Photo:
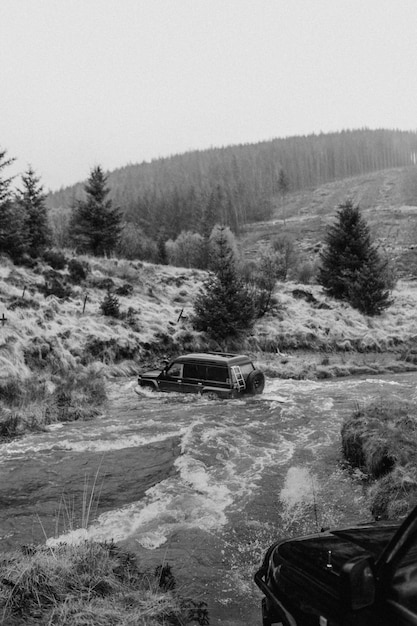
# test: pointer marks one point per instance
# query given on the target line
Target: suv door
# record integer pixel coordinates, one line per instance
(194, 376)
(170, 379)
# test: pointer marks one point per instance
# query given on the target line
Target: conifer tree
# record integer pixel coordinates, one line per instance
(31, 199)
(224, 306)
(95, 223)
(162, 257)
(221, 237)
(5, 192)
(351, 268)
(283, 188)
(13, 231)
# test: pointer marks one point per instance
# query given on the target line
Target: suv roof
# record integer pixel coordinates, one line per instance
(221, 358)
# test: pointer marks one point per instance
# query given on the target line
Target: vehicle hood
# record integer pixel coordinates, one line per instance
(311, 554)
(149, 375)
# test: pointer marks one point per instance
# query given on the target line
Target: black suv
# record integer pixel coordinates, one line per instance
(361, 576)
(226, 375)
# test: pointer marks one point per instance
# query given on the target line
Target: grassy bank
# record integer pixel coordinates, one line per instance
(380, 441)
(93, 584)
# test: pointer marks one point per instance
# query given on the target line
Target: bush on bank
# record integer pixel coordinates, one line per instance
(31, 404)
(93, 584)
(380, 439)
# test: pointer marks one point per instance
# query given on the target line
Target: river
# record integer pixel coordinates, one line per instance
(203, 484)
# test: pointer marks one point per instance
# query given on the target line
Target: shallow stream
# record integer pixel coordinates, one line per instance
(205, 485)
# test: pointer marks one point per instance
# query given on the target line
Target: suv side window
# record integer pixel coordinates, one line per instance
(246, 368)
(175, 370)
(195, 370)
(217, 373)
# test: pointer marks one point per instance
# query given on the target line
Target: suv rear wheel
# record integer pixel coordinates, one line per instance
(255, 382)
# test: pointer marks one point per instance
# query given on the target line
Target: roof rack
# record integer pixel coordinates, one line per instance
(225, 354)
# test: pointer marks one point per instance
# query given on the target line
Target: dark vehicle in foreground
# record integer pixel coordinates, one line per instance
(360, 576)
(220, 373)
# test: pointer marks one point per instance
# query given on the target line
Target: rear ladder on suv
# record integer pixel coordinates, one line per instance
(237, 373)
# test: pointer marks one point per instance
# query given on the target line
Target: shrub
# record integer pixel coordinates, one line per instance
(12, 391)
(109, 350)
(17, 392)
(124, 290)
(56, 285)
(186, 250)
(286, 256)
(9, 426)
(77, 270)
(55, 259)
(22, 303)
(134, 244)
(307, 272)
(110, 305)
(103, 283)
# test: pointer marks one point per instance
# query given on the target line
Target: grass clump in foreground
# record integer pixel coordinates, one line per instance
(92, 584)
(380, 439)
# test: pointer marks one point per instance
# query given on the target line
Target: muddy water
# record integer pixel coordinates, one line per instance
(206, 485)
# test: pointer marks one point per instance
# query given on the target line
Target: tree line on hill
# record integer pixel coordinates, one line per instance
(350, 270)
(239, 184)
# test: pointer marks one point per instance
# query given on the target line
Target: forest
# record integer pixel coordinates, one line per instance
(236, 185)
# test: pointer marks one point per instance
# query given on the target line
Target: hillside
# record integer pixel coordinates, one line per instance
(388, 201)
(241, 184)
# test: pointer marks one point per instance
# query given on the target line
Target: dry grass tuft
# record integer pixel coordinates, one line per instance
(381, 439)
(93, 584)
(381, 435)
(31, 404)
(395, 495)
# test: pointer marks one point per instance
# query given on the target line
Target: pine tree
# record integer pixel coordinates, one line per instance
(110, 305)
(224, 307)
(162, 257)
(5, 192)
(13, 231)
(31, 199)
(351, 268)
(283, 188)
(221, 237)
(95, 224)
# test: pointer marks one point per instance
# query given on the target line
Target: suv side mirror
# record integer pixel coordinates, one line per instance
(357, 583)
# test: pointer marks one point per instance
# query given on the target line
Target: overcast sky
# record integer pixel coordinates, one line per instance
(112, 82)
